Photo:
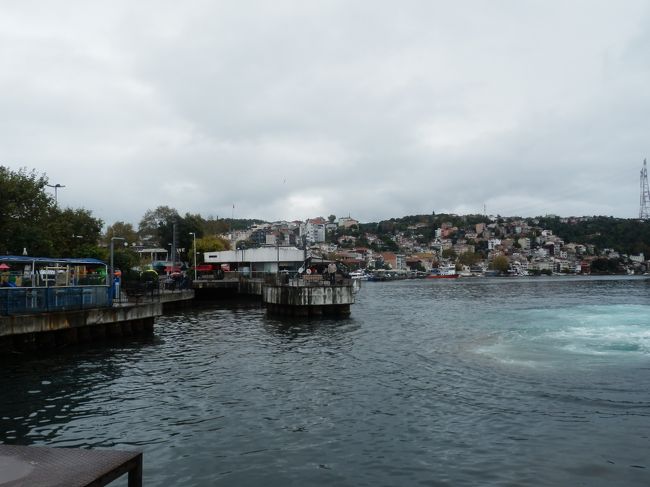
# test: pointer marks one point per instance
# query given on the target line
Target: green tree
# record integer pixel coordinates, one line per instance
(606, 266)
(74, 233)
(449, 253)
(500, 263)
(128, 261)
(469, 258)
(157, 225)
(30, 220)
(25, 209)
(209, 243)
(214, 226)
(185, 226)
(121, 229)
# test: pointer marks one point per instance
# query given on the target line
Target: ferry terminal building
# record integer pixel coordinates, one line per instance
(261, 259)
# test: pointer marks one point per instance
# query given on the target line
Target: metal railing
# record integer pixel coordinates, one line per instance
(308, 280)
(231, 275)
(29, 300)
(145, 291)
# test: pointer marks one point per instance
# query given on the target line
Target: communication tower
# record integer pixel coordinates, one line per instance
(644, 206)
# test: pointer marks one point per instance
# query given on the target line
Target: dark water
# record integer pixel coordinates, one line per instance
(466, 382)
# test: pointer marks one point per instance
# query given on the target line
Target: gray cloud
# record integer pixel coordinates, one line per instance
(293, 109)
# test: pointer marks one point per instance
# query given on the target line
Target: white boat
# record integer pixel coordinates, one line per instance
(444, 271)
(359, 275)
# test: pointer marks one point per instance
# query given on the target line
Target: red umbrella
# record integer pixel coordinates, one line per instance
(4, 266)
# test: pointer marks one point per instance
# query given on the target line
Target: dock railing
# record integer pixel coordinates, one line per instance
(151, 290)
(306, 280)
(29, 300)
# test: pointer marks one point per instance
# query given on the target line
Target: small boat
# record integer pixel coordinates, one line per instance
(359, 275)
(443, 271)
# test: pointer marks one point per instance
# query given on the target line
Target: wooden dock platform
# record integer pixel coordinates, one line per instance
(36, 466)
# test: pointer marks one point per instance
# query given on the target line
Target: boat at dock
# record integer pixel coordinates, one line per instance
(359, 275)
(444, 271)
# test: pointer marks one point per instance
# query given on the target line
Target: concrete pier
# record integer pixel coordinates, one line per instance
(215, 288)
(177, 299)
(31, 332)
(304, 298)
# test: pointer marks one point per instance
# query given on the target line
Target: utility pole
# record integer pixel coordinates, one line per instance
(194, 237)
(56, 195)
(644, 200)
(174, 240)
(111, 278)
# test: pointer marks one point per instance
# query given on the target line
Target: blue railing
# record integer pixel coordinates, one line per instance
(27, 300)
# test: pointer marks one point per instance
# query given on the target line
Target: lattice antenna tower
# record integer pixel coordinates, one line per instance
(644, 206)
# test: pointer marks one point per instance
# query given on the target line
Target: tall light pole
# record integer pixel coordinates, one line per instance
(194, 235)
(56, 195)
(112, 274)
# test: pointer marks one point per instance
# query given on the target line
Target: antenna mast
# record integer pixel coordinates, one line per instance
(644, 204)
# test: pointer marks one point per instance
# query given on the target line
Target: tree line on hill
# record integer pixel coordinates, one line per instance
(629, 236)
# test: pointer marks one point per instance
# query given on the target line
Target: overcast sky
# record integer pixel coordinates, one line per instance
(295, 109)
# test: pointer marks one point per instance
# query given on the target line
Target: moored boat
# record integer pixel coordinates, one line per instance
(443, 271)
(359, 275)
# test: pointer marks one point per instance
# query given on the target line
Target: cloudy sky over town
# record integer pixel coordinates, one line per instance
(295, 109)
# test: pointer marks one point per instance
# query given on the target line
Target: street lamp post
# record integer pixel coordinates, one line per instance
(112, 273)
(56, 187)
(194, 236)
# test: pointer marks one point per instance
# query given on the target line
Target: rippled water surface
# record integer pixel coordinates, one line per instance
(432, 382)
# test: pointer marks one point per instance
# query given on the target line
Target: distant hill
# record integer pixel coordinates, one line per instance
(629, 236)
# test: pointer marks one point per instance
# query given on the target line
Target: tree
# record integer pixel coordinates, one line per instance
(30, 220)
(121, 229)
(332, 218)
(419, 266)
(606, 266)
(126, 259)
(209, 243)
(449, 253)
(500, 263)
(212, 226)
(74, 233)
(157, 225)
(24, 212)
(185, 226)
(386, 243)
(469, 258)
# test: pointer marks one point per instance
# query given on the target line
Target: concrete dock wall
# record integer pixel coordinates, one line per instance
(308, 300)
(177, 299)
(308, 295)
(251, 287)
(227, 288)
(51, 330)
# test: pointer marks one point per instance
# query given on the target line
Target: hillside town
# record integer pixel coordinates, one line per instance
(495, 246)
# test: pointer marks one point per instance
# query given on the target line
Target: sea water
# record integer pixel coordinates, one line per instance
(536, 381)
